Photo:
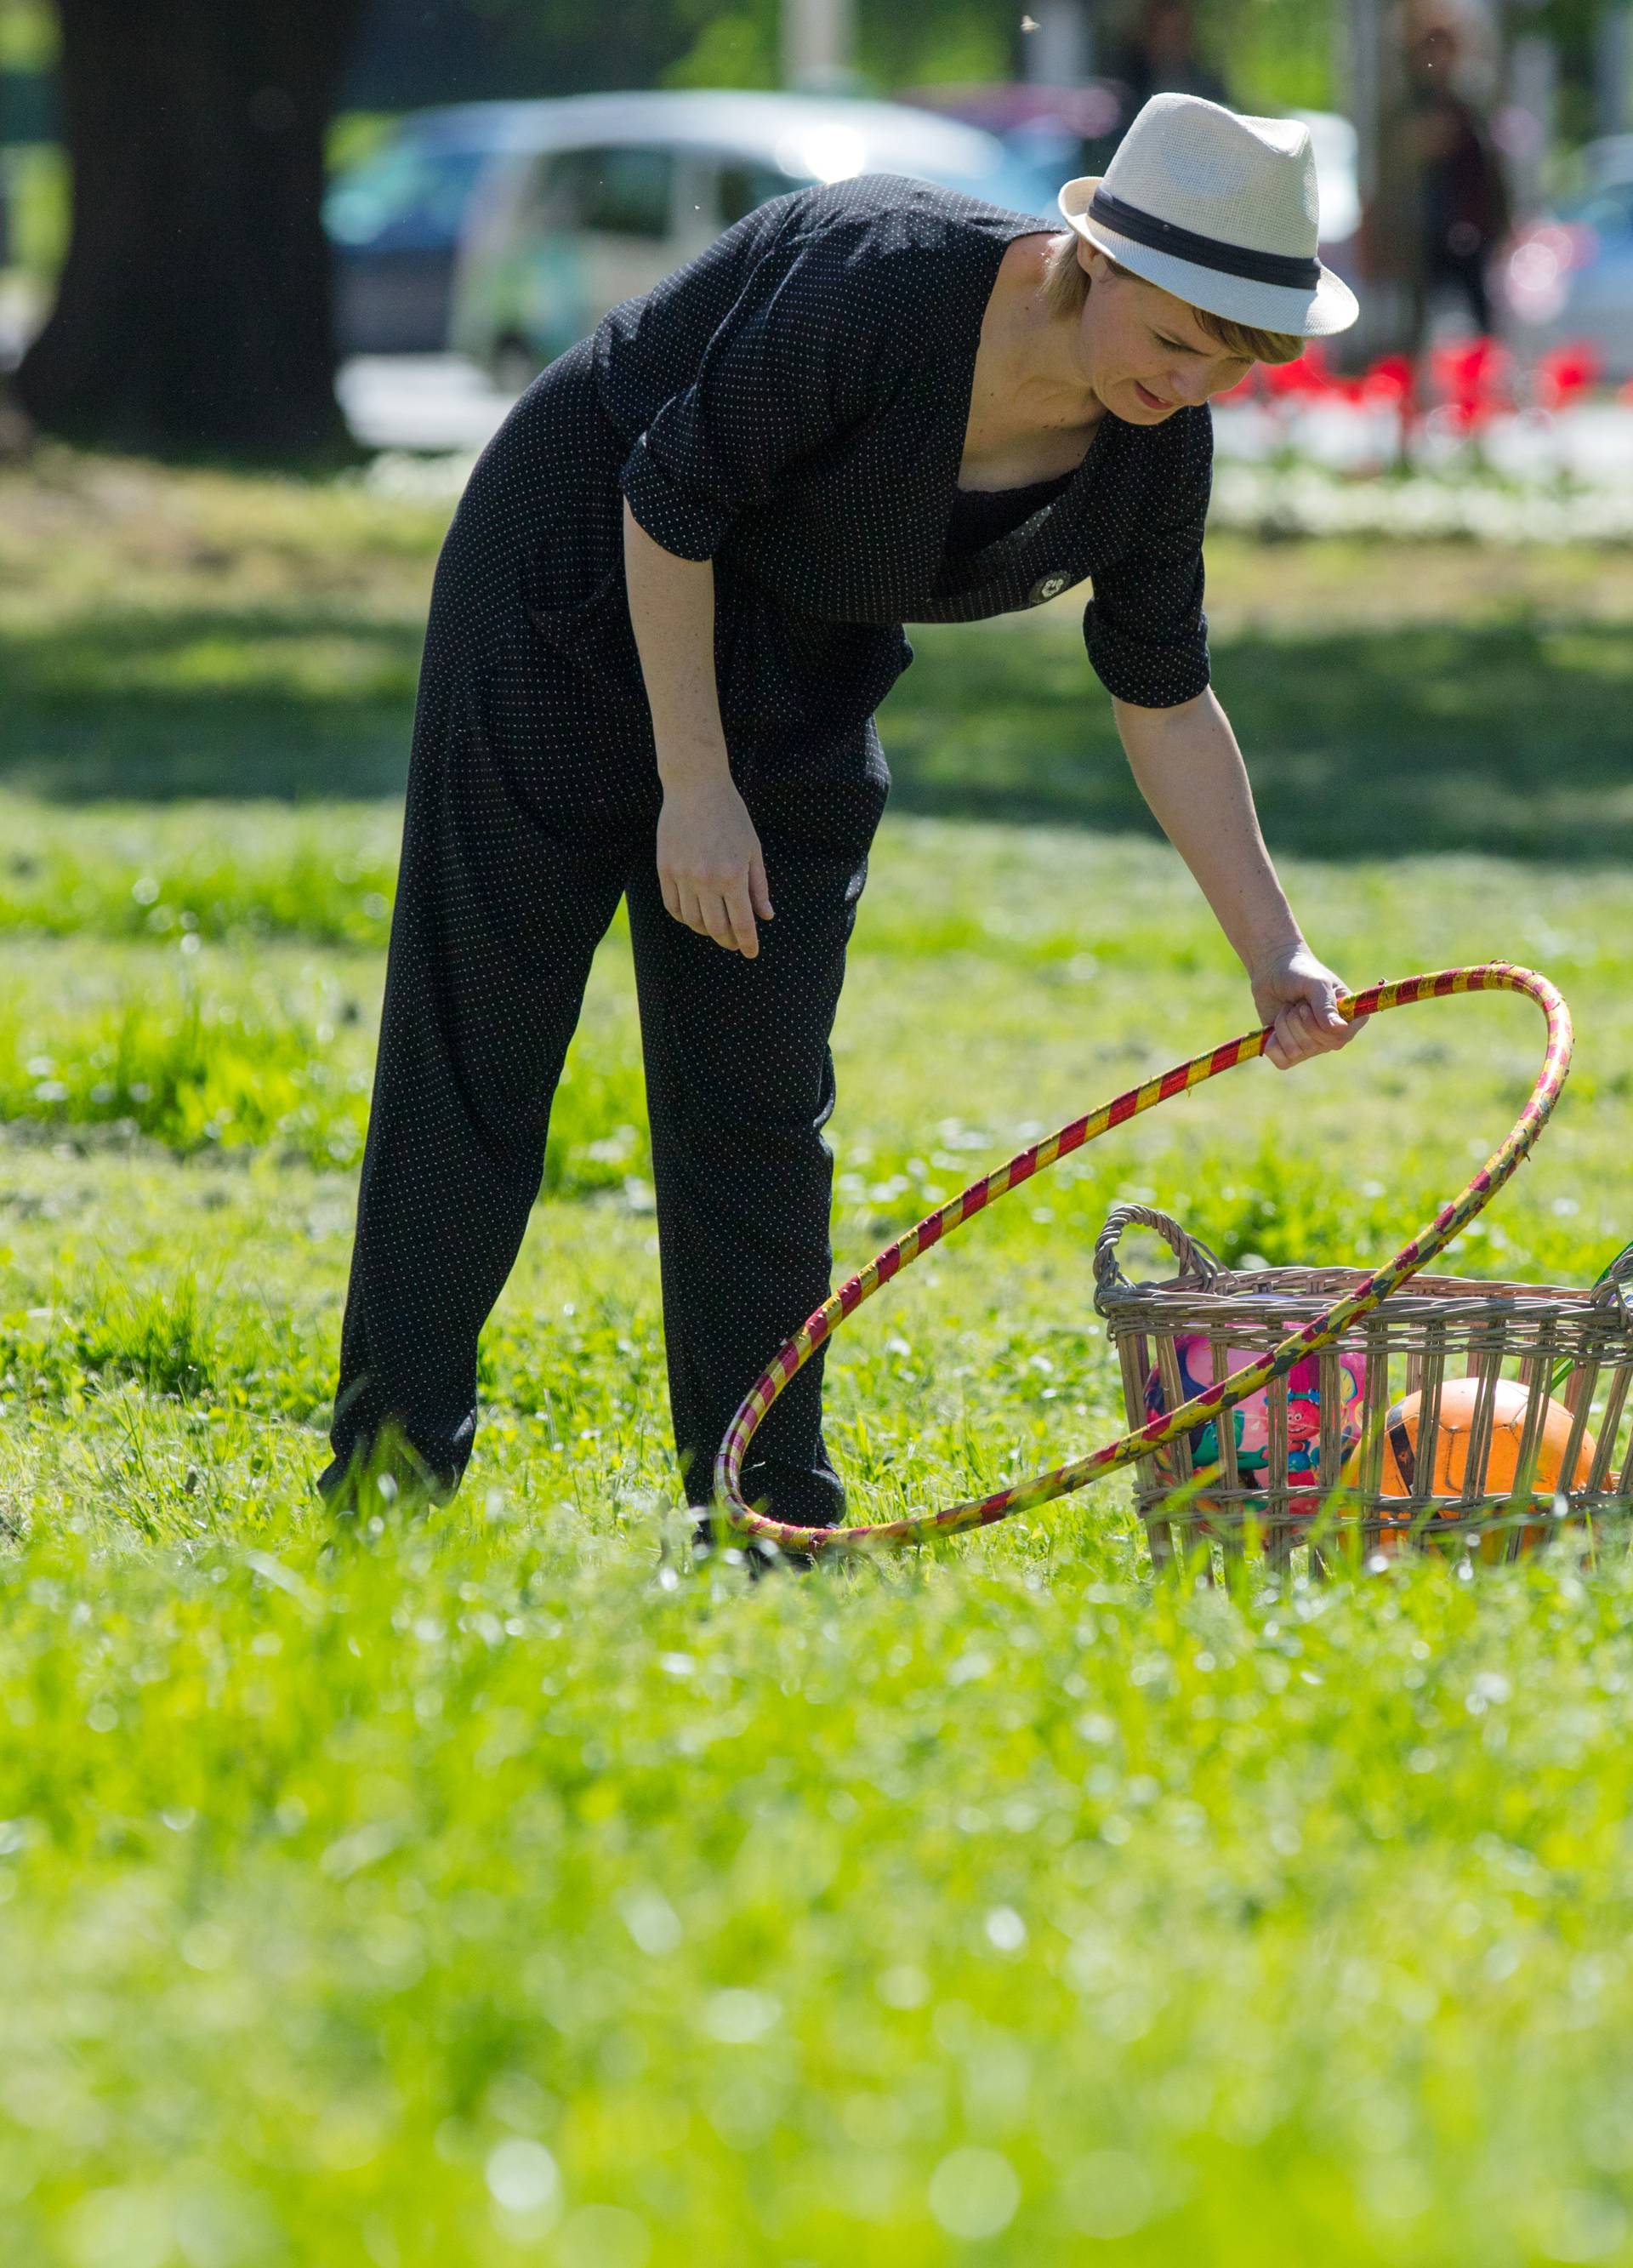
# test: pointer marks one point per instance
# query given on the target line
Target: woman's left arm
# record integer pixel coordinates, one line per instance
(1188, 767)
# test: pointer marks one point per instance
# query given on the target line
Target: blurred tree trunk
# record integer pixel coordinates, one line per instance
(193, 313)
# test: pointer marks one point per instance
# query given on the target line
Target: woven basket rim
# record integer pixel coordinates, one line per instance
(1234, 1289)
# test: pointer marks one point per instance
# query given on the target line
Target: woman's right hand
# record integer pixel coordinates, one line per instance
(709, 865)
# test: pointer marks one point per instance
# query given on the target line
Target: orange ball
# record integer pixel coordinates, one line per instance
(1406, 1472)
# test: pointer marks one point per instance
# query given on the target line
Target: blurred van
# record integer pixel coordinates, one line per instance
(396, 219)
(616, 191)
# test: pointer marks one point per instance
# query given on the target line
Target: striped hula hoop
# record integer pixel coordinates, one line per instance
(981, 1512)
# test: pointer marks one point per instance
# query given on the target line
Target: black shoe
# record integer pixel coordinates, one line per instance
(800, 1496)
(714, 1544)
(393, 1477)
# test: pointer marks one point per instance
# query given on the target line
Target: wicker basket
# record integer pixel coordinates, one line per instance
(1576, 1344)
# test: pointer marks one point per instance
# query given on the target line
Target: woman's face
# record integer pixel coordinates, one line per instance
(1143, 351)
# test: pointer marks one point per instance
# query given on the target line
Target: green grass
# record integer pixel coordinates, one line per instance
(466, 1898)
(463, 1892)
(1428, 737)
(198, 636)
(135, 871)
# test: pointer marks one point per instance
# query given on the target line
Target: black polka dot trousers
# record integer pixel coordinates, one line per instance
(532, 809)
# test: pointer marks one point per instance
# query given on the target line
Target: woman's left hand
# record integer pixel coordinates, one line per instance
(1295, 992)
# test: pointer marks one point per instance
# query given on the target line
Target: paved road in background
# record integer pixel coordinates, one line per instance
(420, 401)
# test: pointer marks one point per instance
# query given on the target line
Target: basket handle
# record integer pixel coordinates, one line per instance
(1198, 1266)
(1615, 1288)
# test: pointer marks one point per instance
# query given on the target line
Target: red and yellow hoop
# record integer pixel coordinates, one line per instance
(981, 1512)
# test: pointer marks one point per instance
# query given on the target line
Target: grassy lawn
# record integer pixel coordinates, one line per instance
(463, 1894)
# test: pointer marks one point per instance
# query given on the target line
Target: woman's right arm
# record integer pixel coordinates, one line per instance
(709, 865)
(818, 337)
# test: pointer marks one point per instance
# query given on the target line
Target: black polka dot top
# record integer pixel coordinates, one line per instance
(793, 404)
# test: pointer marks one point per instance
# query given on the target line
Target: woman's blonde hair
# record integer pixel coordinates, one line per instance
(1066, 287)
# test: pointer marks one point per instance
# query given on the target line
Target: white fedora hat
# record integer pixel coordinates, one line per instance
(1220, 211)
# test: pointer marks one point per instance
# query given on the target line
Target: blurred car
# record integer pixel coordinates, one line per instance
(396, 218)
(401, 219)
(1568, 278)
(612, 192)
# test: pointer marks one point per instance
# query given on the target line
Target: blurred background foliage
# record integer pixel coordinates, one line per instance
(1270, 53)
(1279, 52)
(1273, 52)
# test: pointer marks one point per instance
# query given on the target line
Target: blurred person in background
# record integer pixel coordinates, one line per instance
(1158, 56)
(1463, 212)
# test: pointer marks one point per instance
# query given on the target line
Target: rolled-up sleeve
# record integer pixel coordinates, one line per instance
(686, 513)
(804, 353)
(1144, 628)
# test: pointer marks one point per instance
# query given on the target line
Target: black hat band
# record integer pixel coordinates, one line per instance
(1294, 274)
